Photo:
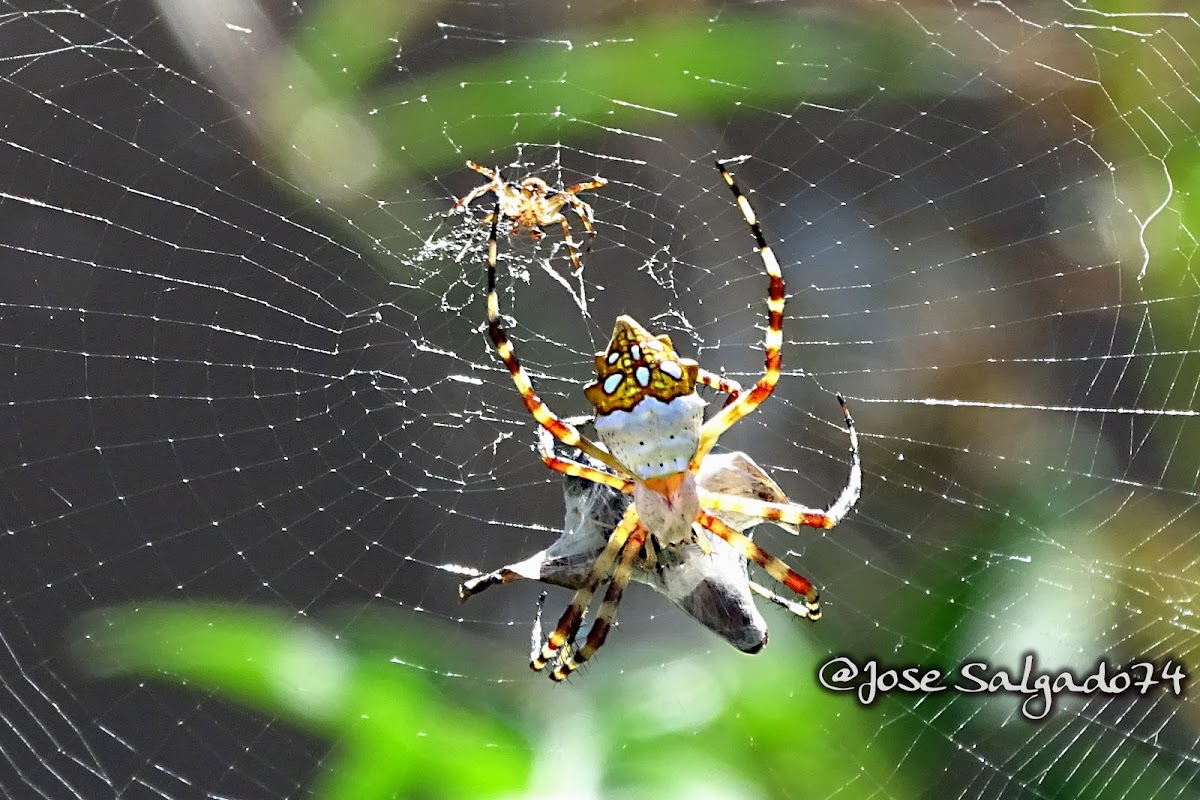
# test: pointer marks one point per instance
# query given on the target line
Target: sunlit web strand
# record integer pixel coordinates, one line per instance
(939, 401)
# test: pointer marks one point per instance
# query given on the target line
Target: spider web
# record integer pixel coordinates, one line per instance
(245, 360)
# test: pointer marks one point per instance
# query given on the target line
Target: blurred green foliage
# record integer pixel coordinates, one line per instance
(697, 67)
(395, 731)
(402, 720)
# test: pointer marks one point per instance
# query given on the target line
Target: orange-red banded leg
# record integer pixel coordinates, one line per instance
(565, 433)
(568, 467)
(724, 385)
(490, 174)
(774, 339)
(585, 186)
(787, 513)
(777, 569)
(568, 624)
(792, 513)
(608, 609)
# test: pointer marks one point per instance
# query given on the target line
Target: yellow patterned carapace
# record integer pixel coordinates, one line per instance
(638, 365)
(531, 204)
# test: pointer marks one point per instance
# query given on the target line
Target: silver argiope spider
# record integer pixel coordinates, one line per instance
(532, 205)
(650, 421)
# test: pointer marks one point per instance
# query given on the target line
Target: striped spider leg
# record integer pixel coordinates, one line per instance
(532, 205)
(789, 513)
(650, 421)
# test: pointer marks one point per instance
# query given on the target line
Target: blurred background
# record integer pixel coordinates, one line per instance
(252, 435)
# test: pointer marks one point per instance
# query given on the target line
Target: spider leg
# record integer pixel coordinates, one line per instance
(494, 185)
(746, 403)
(568, 467)
(491, 174)
(569, 622)
(462, 203)
(474, 586)
(777, 569)
(723, 385)
(787, 513)
(564, 432)
(535, 636)
(796, 608)
(584, 212)
(653, 548)
(572, 248)
(791, 513)
(608, 609)
(583, 187)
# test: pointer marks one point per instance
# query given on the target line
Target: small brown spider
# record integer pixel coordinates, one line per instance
(532, 205)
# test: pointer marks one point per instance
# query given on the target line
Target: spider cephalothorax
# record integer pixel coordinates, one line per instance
(654, 439)
(532, 205)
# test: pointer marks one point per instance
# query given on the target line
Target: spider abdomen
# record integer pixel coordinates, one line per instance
(655, 438)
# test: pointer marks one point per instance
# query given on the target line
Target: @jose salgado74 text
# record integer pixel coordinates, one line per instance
(870, 679)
